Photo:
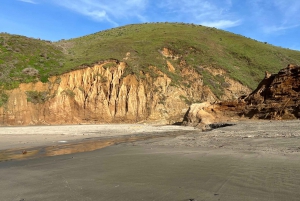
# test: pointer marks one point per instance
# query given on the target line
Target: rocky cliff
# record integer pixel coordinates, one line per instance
(276, 97)
(103, 93)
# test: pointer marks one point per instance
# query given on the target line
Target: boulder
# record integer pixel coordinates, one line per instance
(199, 114)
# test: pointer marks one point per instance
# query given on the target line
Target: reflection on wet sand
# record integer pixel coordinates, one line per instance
(75, 147)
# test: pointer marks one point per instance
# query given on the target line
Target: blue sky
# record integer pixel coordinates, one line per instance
(274, 21)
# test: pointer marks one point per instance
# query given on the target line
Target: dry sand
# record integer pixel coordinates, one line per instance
(249, 161)
(30, 136)
(265, 137)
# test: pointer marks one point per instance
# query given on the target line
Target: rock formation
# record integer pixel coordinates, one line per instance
(104, 94)
(276, 97)
(200, 114)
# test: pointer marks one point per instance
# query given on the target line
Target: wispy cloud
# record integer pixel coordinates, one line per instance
(270, 16)
(288, 9)
(295, 47)
(222, 24)
(275, 17)
(276, 29)
(106, 10)
(209, 13)
(28, 1)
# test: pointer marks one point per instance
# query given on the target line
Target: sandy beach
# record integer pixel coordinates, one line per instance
(257, 160)
(30, 136)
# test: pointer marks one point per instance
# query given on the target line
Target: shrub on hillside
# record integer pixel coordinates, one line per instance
(30, 71)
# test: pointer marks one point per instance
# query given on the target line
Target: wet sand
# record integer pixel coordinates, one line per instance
(248, 161)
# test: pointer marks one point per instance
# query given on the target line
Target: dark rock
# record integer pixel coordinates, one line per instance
(277, 96)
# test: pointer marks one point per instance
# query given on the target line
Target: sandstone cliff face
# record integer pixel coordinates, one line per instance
(102, 94)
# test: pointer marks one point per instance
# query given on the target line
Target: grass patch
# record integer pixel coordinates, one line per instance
(24, 59)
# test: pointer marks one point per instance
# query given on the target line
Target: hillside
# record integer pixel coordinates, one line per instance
(196, 46)
(129, 74)
(19, 52)
(190, 46)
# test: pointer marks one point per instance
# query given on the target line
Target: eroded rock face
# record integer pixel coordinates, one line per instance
(103, 94)
(98, 94)
(276, 97)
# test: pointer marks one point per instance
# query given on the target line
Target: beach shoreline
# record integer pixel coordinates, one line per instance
(256, 160)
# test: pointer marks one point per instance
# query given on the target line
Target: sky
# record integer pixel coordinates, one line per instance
(276, 22)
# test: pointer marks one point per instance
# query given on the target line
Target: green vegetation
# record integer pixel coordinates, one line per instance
(245, 60)
(3, 98)
(69, 93)
(103, 79)
(25, 59)
(188, 100)
(109, 65)
(37, 96)
(216, 83)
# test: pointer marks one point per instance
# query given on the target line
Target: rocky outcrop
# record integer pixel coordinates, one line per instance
(205, 114)
(103, 94)
(199, 114)
(276, 97)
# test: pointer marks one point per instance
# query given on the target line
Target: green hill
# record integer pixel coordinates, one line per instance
(242, 58)
(40, 58)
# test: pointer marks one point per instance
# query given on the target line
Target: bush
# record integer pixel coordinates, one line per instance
(3, 98)
(37, 96)
(30, 71)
